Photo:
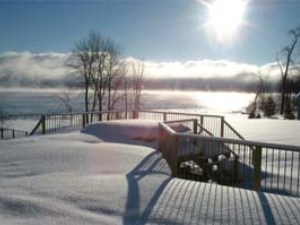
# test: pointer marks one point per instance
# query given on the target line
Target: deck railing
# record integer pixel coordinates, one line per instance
(65, 122)
(68, 122)
(247, 164)
(212, 123)
(8, 133)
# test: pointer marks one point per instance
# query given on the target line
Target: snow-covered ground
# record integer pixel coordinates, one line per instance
(106, 175)
(266, 130)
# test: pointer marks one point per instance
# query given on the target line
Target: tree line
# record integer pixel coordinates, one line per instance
(111, 83)
(108, 82)
(288, 86)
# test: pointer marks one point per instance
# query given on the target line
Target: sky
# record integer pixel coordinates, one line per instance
(158, 31)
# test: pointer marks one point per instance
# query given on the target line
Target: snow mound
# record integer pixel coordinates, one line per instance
(130, 131)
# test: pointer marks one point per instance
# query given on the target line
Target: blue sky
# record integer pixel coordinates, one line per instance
(159, 30)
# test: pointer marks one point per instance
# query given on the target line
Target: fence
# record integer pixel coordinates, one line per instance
(66, 122)
(212, 125)
(7, 133)
(252, 165)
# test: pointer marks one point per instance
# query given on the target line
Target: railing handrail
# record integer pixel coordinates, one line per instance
(95, 112)
(180, 121)
(234, 130)
(232, 141)
(255, 160)
(167, 128)
(58, 114)
(182, 113)
(162, 113)
(12, 129)
(188, 135)
(242, 142)
(203, 128)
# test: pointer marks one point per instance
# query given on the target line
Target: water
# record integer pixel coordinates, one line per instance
(20, 101)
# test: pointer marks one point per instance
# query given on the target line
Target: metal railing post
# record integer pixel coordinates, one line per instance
(164, 116)
(174, 155)
(83, 120)
(195, 125)
(43, 121)
(135, 114)
(235, 171)
(222, 127)
(257, 168)
(161, 140)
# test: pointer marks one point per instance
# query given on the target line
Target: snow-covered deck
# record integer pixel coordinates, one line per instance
(106, 175)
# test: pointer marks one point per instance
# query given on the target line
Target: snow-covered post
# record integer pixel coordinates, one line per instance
(257, 167)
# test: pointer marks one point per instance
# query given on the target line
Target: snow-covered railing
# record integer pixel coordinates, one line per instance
(8, 133)
(66, 122)
(247, 164)
(211, 125)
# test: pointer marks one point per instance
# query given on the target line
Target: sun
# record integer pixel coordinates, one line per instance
(225, 17)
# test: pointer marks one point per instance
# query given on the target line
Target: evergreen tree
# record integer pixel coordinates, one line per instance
(288, 109)
(269, 106)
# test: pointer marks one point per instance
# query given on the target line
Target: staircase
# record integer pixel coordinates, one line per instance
(202, 161)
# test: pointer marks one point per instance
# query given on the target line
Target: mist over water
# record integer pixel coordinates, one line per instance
(47, 101)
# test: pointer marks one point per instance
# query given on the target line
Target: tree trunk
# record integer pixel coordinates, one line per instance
(86, 102)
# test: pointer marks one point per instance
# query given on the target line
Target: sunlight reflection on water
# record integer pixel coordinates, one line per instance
(199, 100)
(43, 101)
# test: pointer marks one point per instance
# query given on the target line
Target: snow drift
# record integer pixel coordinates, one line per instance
(88, 178)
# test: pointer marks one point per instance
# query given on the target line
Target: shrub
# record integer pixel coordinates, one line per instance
(288, 109)
(269, 106)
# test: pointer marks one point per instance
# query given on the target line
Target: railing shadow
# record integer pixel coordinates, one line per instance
(178, 201)
(152, 164)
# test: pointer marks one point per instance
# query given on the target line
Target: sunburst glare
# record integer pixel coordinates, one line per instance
(225, 17)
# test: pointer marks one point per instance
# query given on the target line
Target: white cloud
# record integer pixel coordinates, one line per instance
(46, 65)
(51, 66)
(198, 69)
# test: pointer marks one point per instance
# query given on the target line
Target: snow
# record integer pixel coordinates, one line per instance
(277, 131)
(110, 173)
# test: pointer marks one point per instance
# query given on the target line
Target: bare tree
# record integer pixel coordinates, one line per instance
(118, 92)
(112, 67)
(95, 58)
(137, 83)
(2, 117)
(262, 88)
(284, 68)
(83, 60)
(65, 99)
